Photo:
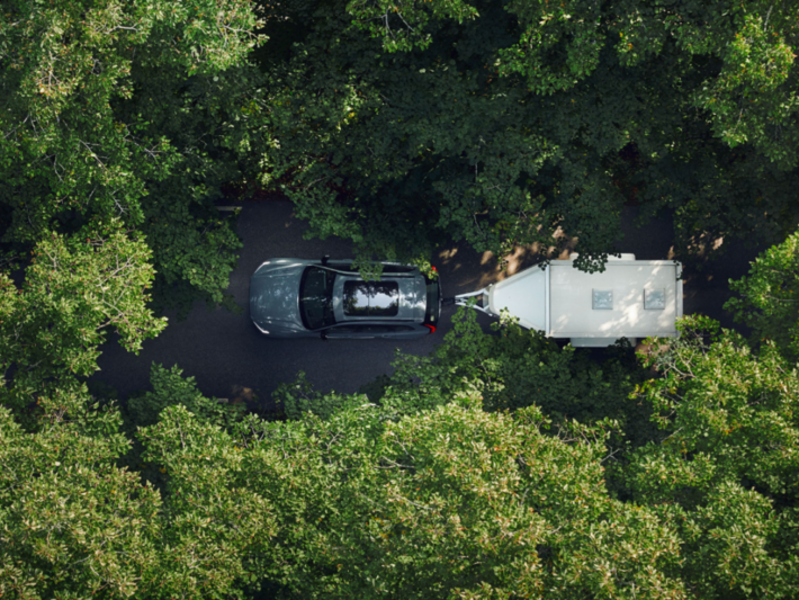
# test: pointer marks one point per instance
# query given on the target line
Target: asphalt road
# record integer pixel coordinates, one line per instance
(222, 350)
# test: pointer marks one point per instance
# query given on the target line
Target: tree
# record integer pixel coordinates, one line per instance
(769, 297)
(73, 524)
(504, 123)
(517, 368)
(561, 46)
(170, 388)
(75, 287)
(135, 112)
(442, 502)
(451, 502)
(450, 157)
(417, 496)
(723, 472)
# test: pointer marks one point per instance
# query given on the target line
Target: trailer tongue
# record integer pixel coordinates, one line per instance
(631, 298)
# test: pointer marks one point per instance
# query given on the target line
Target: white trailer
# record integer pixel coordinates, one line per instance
(630, 298)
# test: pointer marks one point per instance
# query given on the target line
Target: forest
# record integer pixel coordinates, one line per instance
(502, 465)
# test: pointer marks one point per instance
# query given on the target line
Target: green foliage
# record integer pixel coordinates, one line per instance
(212, 120)
(74, 288)
(131, 112)
(497, 123)
(425, 143)
(170, 388)
(750, 98)
(417, 497)
(62, 69)
(297, 398)
(74, 524)
(573, 29)
(216, 530)
(769, 297)
(391, 20)
(453, 502)
(375, 389)
(502, 123)
(724, 469)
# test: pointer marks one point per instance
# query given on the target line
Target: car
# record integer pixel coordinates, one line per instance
(300, 298)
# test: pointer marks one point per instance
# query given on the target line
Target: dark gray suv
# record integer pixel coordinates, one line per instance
(295, 298)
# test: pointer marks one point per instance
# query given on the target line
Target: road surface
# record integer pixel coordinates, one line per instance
(225, 352)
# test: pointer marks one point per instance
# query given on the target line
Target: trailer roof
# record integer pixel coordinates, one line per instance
(632, 298)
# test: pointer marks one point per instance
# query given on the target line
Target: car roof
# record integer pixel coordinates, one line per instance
(411, 298)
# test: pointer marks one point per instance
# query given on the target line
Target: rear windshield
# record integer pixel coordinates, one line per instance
(371, 298)
(316, 298)
(433, 309)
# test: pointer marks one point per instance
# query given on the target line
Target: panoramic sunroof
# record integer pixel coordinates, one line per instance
(371, 298)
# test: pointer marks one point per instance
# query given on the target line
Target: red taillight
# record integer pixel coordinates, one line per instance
(432, 328)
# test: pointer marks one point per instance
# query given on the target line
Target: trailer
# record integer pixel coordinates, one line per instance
(630, 298)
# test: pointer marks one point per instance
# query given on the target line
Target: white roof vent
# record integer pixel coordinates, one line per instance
(603, 299)
(655, 299)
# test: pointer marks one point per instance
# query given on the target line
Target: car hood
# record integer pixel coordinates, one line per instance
(274, 297)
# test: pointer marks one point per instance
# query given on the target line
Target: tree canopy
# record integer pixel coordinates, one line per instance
(74, 289)
(767, 300)
(450, 501)
(75, 524)
(723, 471)
(500, 466)
(505, 123)
(137, 112)
(426, 492)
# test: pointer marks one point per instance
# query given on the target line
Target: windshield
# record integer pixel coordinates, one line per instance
(316, 298)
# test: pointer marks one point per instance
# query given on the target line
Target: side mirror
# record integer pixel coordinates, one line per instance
(325, 258)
